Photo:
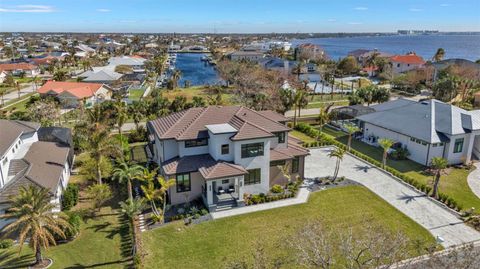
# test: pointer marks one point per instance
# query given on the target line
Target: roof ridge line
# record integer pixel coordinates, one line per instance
(256, 112)
(193, 120)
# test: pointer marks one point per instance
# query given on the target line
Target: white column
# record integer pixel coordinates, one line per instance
(209, 193)
(239, 187)
(471, 140)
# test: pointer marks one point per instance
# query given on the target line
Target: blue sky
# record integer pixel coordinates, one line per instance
(248, 16)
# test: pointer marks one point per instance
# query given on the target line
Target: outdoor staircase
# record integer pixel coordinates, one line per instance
(226, 205)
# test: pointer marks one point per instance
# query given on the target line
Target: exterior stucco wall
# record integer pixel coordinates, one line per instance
(195, 192)
(183, 151)
(262, 162)
(215, 146)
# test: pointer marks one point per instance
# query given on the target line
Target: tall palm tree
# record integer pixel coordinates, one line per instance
(32, 218)
(3, 91)
(324, 116)
(351, 129)
(137, 110)
(99, 147)
(438, 164)
(18, 89)
(386, 144)
(337, 153)
(121, 116)
(439, 55)
(126, 172)
(151, 195)
(164, 186)
(175, 78)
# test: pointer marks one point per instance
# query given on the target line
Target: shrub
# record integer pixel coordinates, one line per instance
(138, 135)
(203, 211)
(256, 199)
(75, 220)
(6, 243)
(277, 189)
(70, 197)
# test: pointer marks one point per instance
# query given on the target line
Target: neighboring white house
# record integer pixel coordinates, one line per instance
(137, 63)
(427, 129)
(220, 153)
(253, 56)
(30, 155)
(404, 63)
(17, 69)
(71, 94)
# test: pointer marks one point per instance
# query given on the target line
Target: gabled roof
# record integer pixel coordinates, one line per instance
(77, 89)
(407, 59)
(428, 120)
(222, 169)
(191, 123)
(10, 130)
(17, 66)
(251, 131)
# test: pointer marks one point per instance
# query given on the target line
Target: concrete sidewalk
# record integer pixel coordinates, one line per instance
(302, 197)
(473, 180)
(441, 222)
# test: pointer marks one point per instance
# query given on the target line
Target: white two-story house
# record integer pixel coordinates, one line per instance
(221, 153)
(31, 155)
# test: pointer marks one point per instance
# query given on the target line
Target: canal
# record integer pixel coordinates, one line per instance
(195, 71)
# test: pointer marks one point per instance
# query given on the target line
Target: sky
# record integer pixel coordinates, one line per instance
(238, 16)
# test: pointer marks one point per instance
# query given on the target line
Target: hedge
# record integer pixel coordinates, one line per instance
(328, 140)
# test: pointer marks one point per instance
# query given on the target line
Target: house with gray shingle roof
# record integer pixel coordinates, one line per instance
(31, 155)
(219, 153)
(427, 129)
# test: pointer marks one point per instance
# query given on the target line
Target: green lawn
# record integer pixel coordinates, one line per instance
(326, 103)
(201, 91)
(305, 138)
(19, 103)
(103, 242)
(454, 183)
(211, 244)
(135, 94)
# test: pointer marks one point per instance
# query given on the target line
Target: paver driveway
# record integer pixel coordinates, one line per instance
(438, 220)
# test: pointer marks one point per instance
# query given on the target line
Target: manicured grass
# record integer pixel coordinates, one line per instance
(19, 104)
(305, 138)
(326, 103)
(103, 242)
(190, 92)
(211, 244)
(327, 97)
(135, 94)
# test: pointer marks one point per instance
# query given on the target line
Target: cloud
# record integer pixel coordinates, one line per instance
(361, 8)
(103, 10)
(355, 23)
(28, 9)
(416, 9)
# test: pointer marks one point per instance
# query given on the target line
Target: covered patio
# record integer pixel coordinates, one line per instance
(223, 185)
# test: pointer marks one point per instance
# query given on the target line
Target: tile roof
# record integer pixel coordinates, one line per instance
(42, 170)
(77, 89)
(190, 124)
(11, 130)
(426, 120)
(270, 114)
(17, 66)
(251, 131)
(222, 169)
(187, 164)
(408, 59)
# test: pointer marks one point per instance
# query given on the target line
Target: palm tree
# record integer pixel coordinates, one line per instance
(137, 110)
(386, 144)
(351, 129)
(151, 195)
(32, 218)
(439, 55)
(175, 78)
(299, 96)
(3, 91)
(337, 153)
(126, 172)
(35, 80)
(121, 117)
(132, 208)
(165, 185)
(438, 164)
(324, 116)
(18, 88)
(100, 146)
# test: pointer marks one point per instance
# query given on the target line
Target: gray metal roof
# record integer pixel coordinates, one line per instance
(428, 120)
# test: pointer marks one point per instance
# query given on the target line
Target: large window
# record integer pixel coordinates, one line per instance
(252, 150)
(196, 142)
(295, 164)
(458, 147)
(183, 182)
(277, 163)
(225, 149)
(253, 177)
(281, 137)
